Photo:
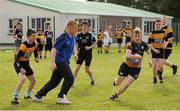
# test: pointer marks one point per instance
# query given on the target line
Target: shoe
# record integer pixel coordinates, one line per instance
(174, 69)
(62, 101)
(15, 101)
(45, 57)
(161, 81)
(155, 81)
(92, 82)
(37, 99)
(27, 97)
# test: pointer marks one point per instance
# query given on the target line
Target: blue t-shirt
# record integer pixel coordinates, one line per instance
(64, 46)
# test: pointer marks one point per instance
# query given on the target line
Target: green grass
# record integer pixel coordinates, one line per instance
(142, 94)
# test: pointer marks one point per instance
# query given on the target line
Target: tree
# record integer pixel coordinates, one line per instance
(167, 7)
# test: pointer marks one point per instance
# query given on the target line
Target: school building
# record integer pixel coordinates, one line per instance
(36, 14)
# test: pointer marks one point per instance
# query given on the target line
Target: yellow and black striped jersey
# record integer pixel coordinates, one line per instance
(40, 39)
(157, 38)
(100, 37)
(170, 36)
(25, 51)
(128, 32)
(119, 33)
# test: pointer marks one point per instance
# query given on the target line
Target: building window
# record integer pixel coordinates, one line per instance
(12, 24)
(148, 26)
(90, 21)
(41, 23)
(126, 22)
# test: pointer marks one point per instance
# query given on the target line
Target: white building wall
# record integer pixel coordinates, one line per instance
(18, 10)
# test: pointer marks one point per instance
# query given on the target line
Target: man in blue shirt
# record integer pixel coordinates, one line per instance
(60, 55)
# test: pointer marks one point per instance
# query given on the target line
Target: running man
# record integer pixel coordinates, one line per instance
(130, 69)
(157, 42)
(60, 56)
(85, 42)
(168, 49)
(23, 67)
(40, 41)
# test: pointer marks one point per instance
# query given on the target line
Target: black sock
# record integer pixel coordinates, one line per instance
(114, 84)
(172, 66)
(160, 75)
(114, 96)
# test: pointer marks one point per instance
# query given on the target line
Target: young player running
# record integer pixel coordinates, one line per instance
(130, 69)
(23, 67)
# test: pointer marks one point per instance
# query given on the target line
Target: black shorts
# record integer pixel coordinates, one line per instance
(119, 40)
(128, 39)
(125, 70)
(26, 66)
(40, 47)
(82, 58)
(167, 53)
(99, 44)
(160, 55)
(48, 47)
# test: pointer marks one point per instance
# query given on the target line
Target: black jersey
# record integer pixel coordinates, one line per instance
(19, 33)
(136, 48)
(85, 40)
(48, 36)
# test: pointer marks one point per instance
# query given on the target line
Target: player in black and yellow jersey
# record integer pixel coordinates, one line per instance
(119, 37)
(157, 42)
(100, 41)
(22, 65)
(40, 42)
(168, 49)
(130, 69)
(128, 34)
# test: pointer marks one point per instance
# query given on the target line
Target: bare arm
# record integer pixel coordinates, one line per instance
(52, 57)
(129, 55)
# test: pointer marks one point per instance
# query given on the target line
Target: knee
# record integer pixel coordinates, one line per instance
(77, 69)
(87, 70)
(70, 80)
(22, 79)
(33, 81)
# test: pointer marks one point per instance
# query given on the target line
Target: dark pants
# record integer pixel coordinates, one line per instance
(63, 71)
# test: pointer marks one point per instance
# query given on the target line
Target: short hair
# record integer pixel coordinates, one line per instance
(137, 30)
(158, 20)
(85, 22)
(100, 30)
(30, 32)
(71, 23)
(164, 17)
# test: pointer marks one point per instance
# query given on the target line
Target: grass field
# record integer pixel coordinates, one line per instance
(142, 94)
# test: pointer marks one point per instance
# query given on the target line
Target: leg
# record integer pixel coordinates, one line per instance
(124, 86)
(18, 87)
(32, 80)
(53, 82)
(89, 72)
(78, 66)
(118, 80)
(68, 80)
(160, 69)
(154, 61)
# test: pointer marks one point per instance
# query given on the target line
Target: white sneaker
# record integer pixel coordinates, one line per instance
(36, 99)
(63, 101)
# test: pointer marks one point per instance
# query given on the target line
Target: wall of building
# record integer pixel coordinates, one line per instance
(18, 10)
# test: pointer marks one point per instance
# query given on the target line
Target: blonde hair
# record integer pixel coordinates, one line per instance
(137, 30)
(71, 23)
